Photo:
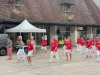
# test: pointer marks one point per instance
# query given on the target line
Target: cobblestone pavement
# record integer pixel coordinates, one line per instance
(78, 66)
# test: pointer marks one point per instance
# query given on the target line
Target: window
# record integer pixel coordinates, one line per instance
(66, 7)
(67, 34)
(67, 28)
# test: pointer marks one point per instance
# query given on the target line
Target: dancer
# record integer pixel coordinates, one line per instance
(96, 43)
(34, 43)
(54, 50)
(30, 52)
(20, 53)
(64, 44)
(68, 49)
(78, 44)
(45, 37)
(23, 47)
(69, 39)
(44, 46)
(93, 46)
(56, 41)
(82, 45)
(88, 48)
(9, 48)
(98, 52)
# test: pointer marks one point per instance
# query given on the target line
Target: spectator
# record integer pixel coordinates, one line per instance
(9, 48)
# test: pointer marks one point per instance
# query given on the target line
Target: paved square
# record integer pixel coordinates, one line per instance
(78, 66)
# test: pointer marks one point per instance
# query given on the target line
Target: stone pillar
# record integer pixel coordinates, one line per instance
(74, 34)
(39, 37)
(94, 32)
(53, 30)
(89, 32)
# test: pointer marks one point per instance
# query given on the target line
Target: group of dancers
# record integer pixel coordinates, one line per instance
(89, 46)
(83, 46)
(21, 53)
(31, 43)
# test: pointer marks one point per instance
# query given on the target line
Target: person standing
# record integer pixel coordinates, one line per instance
(69, 39)
(93, 46)
(45, 37)
(64, 47)
(88, 48)
(20, 53)
(54, 50)
(33, 43)
(68, 49)
(78, 44)
(9, 48)
(82, 45)
(98, 51)
(96, 43)
(30, 52)
(56, 41)
(44, 46)
(23, 42)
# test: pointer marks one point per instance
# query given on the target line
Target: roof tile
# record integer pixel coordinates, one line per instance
(50, 10)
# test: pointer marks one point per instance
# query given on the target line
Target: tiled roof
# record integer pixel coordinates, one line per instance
(50, 10)
(4, 11)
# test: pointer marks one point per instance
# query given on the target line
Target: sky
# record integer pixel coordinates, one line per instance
(97, 2)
